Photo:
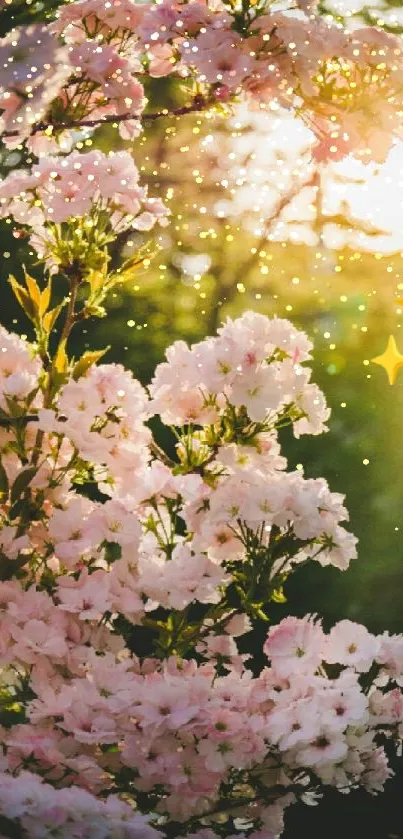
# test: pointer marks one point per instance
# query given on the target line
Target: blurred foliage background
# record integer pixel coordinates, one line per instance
(255, 226)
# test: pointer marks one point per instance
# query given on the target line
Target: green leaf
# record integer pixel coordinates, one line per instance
(86, 361)
(21, 483)
(113, 551)
(4, 485)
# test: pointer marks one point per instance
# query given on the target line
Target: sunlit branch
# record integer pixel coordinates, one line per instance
(226, 293)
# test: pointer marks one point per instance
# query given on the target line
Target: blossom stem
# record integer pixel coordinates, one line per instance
(70, 314)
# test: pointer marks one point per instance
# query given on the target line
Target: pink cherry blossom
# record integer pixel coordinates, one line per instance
(352, 645)
(295, 646)
(34, 67)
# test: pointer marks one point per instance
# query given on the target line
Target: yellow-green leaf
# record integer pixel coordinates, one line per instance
(51, 317)
(24, 299)
(278, 596)
(61, 361)
(140, 259)
(86, 361)
(97, 277)
(96, 280)
(45, 299)
(33, 290)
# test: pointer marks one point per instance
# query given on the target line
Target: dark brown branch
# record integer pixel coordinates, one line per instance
(199, 104)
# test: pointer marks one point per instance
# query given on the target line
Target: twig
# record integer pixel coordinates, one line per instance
(161, 455)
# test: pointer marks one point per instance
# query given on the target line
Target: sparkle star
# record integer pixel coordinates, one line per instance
(391, 360)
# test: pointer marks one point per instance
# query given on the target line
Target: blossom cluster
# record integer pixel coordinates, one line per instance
(34, 67)
(347, 86)
(253, 364)
(232, 479)
(102, 536)
(100, 190)
(41, 811)
(178, 731)
(72, 82)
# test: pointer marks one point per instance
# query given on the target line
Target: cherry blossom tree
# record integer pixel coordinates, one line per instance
(126, 575)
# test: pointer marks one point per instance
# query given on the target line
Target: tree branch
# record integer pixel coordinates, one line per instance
(225, 293)
(199, 103)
